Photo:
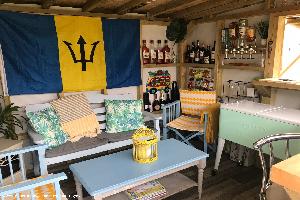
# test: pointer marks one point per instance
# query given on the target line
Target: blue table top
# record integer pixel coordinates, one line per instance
(113, 171)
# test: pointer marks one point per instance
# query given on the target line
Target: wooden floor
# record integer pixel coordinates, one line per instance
(232, 182)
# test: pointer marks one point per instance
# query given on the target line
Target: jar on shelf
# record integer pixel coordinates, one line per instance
(250, 34)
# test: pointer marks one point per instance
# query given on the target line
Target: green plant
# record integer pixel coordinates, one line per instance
(263, 28)
(176, 30)
(8, 121)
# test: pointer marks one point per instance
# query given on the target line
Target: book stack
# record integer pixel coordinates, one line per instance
(147, 191)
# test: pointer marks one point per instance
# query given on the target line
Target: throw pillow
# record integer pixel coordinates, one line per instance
(46, 123)
(123, 115)
(77, 117)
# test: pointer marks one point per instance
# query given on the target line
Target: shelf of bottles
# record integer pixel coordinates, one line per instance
(196, 55)
(239, 46)
(200, 61)
(157, 55)
(244, 67)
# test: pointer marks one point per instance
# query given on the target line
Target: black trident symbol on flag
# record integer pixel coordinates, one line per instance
(81, 42)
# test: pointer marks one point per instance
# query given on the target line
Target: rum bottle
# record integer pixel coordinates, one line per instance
(153, 57)
(187, 54)
(145, 53)
(166, 51)
(155, 105)
(207, 55)
(147, 104)
(160, 53)
(202, 50)
(162, 100)
(197, 53)
(192, 53)
(212, 54)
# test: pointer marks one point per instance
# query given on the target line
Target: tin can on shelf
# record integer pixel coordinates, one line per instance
(243, 23)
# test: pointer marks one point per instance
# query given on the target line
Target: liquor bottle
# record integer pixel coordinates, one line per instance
(175, 95)
(202, 50)
(192, 53)
(212, 54)
(146, 101)
(197, 53)
(153, 57)
(168, 100)
(187, 54)
(162, 100)
(207, 55)
(167, 55)
(145, 53)
(155, 105)
(160, 53)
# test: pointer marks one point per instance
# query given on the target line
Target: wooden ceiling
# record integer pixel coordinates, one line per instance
(147, 9)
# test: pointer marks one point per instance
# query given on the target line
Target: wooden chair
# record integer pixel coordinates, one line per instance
(17, 186)
(189, 115)
(269, 190)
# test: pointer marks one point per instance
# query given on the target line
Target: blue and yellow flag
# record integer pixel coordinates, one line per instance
(81, 53)
(51, 54)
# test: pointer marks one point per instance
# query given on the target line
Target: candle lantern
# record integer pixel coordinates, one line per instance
(144, 145)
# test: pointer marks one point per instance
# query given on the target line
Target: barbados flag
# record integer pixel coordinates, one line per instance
(81, 36)
(50, 54)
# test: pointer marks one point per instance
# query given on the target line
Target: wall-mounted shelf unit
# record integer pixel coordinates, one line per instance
(244, 67)
(276, 83)
(197, 65)
(159, 65)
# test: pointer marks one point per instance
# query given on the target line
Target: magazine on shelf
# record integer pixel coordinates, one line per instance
(147, 191)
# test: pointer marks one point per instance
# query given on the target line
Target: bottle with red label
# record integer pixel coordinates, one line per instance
(145, 53)
(160, 53)
(153, 56)
(167, 55)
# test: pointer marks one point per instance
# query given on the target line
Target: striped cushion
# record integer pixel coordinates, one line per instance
(193, 102)
(186, 123)
(77, 117)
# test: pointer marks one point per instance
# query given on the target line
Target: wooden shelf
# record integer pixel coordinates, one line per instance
(173, 183)
(275, 83)
(197, 65)
(243, 67)
(159, 65)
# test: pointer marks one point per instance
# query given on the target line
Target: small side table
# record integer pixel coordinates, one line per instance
(287, 173)
(155, 116)
(9, 144)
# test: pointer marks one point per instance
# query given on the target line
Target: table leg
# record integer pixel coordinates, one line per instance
(78, 188)
(220, 148)
(201, 166)
(157, 127)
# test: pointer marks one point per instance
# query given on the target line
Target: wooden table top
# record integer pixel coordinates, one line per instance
(287, 173)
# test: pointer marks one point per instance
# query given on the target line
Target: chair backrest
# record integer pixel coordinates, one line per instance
(193, 102)
(8, 157)
(267, 141)
(96, 100)
(16, 184)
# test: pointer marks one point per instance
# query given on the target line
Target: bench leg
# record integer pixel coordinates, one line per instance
(201, 166)
(78, 188)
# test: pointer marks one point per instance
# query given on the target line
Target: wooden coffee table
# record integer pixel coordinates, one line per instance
(110, 175)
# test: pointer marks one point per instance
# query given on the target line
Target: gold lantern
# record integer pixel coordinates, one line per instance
(144, 145)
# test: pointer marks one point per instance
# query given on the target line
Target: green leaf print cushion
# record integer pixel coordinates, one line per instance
(46, 122)
(123, 115)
